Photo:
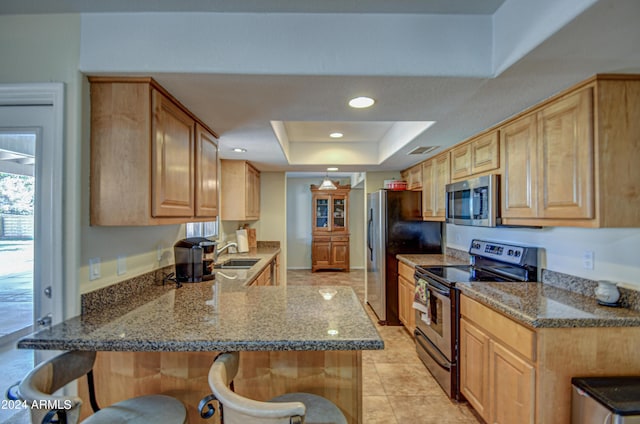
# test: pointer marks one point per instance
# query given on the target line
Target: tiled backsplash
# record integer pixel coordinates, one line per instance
(107, 297)
(628, 298)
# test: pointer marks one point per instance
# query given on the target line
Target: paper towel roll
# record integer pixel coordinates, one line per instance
(243, 241)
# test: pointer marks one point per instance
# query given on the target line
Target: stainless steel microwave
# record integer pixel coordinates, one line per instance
(474, 202)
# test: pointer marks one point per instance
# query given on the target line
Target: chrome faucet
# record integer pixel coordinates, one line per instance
(217, 252)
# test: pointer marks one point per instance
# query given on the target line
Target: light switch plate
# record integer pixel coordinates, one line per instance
(94, 268)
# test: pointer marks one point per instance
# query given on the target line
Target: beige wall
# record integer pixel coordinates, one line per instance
(45, 48)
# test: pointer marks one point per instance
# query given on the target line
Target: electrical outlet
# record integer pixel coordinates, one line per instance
(159, 250)
(122, 265)
(94, 268)
(587, 259)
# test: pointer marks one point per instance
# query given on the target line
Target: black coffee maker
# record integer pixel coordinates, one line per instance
(192, 266)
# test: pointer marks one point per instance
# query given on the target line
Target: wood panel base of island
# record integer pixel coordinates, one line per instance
(336, 375)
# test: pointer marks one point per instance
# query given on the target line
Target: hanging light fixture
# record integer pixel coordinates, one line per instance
(327, 184)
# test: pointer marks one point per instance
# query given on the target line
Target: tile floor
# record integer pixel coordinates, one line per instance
(397, 388)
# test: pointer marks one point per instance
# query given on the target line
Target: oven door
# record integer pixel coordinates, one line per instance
(437, 325)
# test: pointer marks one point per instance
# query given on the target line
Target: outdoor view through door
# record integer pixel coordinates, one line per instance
(17, 159)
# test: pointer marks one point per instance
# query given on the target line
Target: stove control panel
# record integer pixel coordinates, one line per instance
(498, 251)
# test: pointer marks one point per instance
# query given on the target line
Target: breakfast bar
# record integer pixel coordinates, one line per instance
(292, 338)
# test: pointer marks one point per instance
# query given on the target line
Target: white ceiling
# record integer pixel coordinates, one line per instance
(250, 75)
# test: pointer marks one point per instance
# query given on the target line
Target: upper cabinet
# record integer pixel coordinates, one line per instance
(572, 161)
(436, 174)
(240, 188)
(152, 161)
(476, 156)
(414, 177)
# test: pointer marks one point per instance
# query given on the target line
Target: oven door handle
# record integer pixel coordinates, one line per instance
(439, 289)
(432, 350)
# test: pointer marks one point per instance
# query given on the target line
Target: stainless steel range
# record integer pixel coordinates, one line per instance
(437, 310)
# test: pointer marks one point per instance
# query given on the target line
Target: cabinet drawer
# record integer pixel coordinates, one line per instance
(339, 238)
(406, 271)
(516, 336)
(324, 239)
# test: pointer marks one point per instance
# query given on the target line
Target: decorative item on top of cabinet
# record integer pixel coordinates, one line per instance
(240, 191)
(571, 161)
(476, 156)
(436, 174)
(151, 159)
(330, 228)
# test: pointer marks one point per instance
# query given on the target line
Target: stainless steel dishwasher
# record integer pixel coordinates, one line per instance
(605, 400)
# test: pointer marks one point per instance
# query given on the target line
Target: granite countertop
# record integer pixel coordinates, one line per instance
(414, 260)
(224, 314)
(541, 305)
(193, 318)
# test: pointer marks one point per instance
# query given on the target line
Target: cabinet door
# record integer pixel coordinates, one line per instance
(402, 301)
(340, 254)
(519, 155)
(206, 174)
(461, 161)
(172, 159)
(512, 385)
(415, 177)
(252, 192)
(565, 158)
(339, 213)
(428, 210)
(442, 177)
(474, 367)
(321, 212)
(320, 253)
(484, 153)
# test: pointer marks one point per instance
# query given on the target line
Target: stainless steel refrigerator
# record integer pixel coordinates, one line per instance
(394, 226)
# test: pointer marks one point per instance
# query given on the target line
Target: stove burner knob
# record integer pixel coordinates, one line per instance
(510, 252)
(518, 253)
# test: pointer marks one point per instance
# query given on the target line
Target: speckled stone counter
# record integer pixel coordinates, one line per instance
(195, 318)
(424, 259)
(541, 305)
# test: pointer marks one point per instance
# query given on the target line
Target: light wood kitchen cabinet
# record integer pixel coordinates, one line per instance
(497, 368)
(206, 173)
(548, 161)
(414, 176)
(477, 156)
(240, 191)
(570, 161)
(436, 174)
(406, 293)
(147, 167)
(330, 228)
(511, 373)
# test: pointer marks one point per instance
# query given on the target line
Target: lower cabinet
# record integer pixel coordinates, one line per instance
(330, 252)
(497, 366)
(406, 293)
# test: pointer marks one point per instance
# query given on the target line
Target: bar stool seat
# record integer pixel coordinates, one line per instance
(38, 386)
(290, 408)
(141, 410)
(319, 410)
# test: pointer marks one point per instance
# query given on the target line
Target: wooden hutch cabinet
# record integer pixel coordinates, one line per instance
(330, 228)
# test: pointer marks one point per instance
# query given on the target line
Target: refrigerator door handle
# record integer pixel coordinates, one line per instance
(369, 228)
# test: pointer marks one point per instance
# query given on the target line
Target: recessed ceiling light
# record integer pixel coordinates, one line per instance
(239, 150)
(333, 168)
(361, 102)
(336, 135)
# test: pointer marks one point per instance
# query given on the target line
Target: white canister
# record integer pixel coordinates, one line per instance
(242, 240)
(607, 292)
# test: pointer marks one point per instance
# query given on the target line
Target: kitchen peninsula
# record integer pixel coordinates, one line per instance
(164, 341)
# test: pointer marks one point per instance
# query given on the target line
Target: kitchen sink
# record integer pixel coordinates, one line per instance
(237, 264)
